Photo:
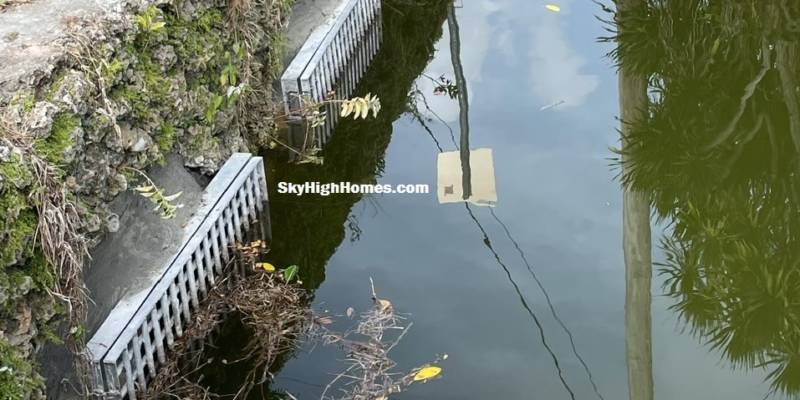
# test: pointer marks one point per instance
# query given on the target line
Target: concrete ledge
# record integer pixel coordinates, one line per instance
(31, 37)
(307, 16)
(127, 260)
(32, 34)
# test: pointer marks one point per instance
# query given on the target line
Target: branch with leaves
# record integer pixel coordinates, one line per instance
(163, 203)
(314, 113)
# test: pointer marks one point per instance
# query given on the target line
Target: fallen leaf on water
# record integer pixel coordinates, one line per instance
(350, 312)
(553, 7)
(427, 373)
(325, 320)
(266, 266)
(290, 273)
(444, 357)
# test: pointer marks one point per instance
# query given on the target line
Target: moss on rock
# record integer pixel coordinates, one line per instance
(26, 101)
(17, 377)
(53, 147)
(17, 219)
(15, 173)
(17, 240)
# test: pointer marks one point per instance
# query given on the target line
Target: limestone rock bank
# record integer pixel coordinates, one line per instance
(95, 90)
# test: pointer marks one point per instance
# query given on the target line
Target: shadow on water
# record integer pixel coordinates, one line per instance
(309, 229)
(717, 156)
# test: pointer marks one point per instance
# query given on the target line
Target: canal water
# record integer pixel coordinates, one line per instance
(527, 298)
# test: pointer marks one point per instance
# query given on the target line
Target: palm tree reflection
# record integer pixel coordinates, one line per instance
(717, 155)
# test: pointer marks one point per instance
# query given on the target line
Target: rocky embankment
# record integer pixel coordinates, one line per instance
(90, 92)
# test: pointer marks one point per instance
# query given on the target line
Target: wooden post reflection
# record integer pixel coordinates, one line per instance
(463, 100)
(636, 242)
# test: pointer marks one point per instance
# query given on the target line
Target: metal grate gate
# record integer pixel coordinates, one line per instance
(134, 340)
(334, 58)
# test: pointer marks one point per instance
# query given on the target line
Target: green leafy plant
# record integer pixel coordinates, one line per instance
(290, 273)
(150, 21)
(213, 108)
(163, 203)
(444, 86)
(228, 75)
(78, 332)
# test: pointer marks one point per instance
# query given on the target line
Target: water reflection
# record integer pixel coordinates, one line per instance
(484, 194)
(558, 330)
(540, 329)
(716, 153)
(312, 228)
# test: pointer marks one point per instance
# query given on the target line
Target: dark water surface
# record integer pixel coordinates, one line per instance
(544, 97)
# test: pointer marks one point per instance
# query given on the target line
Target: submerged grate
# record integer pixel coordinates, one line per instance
(334, 57)
(134, 340)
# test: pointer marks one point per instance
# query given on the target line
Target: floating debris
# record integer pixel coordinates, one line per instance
(553, 105)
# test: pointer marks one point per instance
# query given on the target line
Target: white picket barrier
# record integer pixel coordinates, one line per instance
(135, 339)
(333, 58)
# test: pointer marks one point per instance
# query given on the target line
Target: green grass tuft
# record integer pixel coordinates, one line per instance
(165, 138)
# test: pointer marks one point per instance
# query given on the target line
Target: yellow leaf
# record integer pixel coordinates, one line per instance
(427, 373)
(364, 109)
(173, 197)
(553, 7)
(384, 304)
(266, 266)
(144, 189)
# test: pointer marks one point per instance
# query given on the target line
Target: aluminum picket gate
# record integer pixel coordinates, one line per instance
(334, 58)
(135, 339)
